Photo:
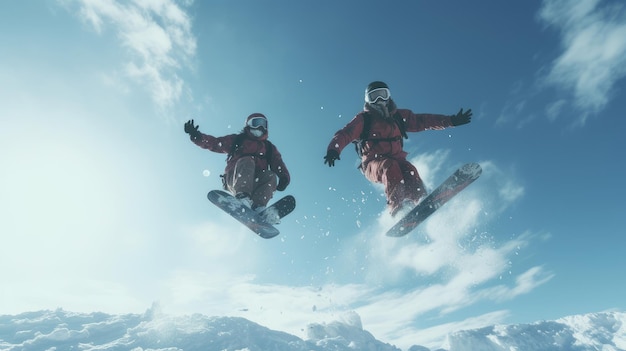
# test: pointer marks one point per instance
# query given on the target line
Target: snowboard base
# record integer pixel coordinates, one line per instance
(247, 216)
(458, 181)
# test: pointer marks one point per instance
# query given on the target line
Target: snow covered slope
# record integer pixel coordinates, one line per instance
(595, 331)
(61, 330)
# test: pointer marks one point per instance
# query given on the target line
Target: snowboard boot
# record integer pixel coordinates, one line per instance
(269, 215)
(245, 199)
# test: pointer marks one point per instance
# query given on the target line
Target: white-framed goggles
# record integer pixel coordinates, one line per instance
(257, 122)
(376, 94)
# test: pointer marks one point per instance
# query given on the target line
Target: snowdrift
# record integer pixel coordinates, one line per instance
(63, 330)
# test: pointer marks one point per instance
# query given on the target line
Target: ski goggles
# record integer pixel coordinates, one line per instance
(257, 122)
(376, 94)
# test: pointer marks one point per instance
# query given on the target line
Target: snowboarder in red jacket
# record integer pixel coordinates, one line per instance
(383, 159)
(253, 163)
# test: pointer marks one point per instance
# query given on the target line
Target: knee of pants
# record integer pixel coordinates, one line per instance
(245, 161)
(267, 177)
(383, 171)
(391, 172)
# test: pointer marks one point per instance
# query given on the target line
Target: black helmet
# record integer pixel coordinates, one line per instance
(377, 90)
(376, 85)
(257, 120)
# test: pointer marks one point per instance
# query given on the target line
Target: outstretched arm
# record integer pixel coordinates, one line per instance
(417, 122)
(220, 144)
(342, 138)
(461, 117)
(192, 130)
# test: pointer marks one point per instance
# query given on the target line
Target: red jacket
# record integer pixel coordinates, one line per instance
(251, 146)
(385, 128)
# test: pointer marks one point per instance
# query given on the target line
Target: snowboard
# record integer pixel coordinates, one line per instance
(247, 216)
(460, 179)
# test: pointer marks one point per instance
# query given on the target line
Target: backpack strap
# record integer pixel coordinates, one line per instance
(236, 145)
(367, 123)
(269, 151)
(401, 125)
(358, 144)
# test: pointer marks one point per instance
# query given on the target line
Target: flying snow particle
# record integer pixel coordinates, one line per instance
(206, 173)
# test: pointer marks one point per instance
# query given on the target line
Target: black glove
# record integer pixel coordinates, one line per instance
(462, 117)
(330, 157)
(192, 129)
(282, 183)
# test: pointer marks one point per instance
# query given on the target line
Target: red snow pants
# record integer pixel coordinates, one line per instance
(400, 179)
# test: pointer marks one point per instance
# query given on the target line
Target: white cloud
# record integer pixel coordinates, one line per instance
(508, 188)
(524, 283)
(594, 51)
(553, 110)
(157, 35)
(429, 166)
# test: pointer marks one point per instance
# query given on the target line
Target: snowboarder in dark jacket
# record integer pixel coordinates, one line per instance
(254, 166)
(383, 159)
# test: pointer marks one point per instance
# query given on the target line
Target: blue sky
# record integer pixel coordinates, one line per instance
(103, 197)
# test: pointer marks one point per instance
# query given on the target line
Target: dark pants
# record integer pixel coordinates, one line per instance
(259, 184)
